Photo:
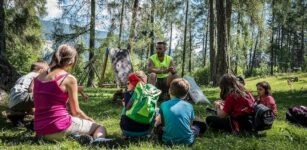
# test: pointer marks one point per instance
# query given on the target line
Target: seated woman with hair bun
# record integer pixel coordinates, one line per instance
(52, 90)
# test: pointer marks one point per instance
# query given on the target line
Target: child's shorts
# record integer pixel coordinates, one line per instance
(78, 125)
(162, 84)
(25, 104)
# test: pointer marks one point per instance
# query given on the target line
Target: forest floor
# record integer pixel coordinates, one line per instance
(101, 108)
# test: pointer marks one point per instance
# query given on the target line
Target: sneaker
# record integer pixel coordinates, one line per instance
(17, 120)
(211, 111)
(83, 139)
(200, 124)
(102, 141)
(30, 126)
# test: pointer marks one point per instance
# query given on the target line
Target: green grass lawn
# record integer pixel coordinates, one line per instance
(100, 106)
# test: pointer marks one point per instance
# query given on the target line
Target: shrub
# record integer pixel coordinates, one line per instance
(202, 76)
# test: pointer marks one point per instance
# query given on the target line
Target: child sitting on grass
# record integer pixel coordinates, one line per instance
(176, 116)
(235, 109)
(132, 123)
(133, 80)
(265, 96)
(21, 96)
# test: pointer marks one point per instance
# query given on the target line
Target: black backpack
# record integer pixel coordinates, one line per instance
(263, 118)
(297, 115)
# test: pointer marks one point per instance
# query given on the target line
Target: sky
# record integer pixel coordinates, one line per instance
(53, 10)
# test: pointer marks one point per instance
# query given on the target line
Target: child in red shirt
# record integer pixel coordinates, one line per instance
(235, 108)
(265, 96)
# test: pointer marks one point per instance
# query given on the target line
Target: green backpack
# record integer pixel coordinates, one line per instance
(145, 97)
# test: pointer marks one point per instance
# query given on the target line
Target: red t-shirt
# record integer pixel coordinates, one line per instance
(236, 105)
(269, 101)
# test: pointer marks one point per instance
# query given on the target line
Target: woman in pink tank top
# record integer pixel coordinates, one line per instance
(52, 90)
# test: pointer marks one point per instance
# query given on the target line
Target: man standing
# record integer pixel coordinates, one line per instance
(162, 70)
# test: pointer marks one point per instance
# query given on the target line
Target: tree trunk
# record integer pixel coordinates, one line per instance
(250, 55)
(106, 44)
(250, 58)
(296, 49)
(170, 40)
(228, 17)
(190, 56)
(291, 50)
(148, 52)
(282, 48)
(132, 26)
(212, 44)
(142, 62)
(2, 30)
(237, 39)
(185, 37)
(236, 65)
(152, 21)
(121, 23)
(246, 58)
(301, 58)
(288, 46)
(222, 65)
(228, 23)
(277, 50)
(272, 38)
(104, 66)
(8, 73)
(91, 75)
(206, 41)
(254, 54)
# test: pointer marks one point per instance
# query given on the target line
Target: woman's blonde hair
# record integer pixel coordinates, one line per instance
(64, 55)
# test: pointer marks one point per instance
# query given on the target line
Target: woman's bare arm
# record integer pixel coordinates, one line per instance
(72, 88)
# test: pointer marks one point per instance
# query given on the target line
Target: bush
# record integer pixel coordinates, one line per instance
(202, 76)
(262, 70)
(240, 70)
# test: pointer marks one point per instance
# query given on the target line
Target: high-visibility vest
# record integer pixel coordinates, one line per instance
(165, 64)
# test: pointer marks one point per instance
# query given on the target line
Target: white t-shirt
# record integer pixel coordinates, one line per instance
(21, 89)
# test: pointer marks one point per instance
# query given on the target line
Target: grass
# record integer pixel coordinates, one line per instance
(282, 136)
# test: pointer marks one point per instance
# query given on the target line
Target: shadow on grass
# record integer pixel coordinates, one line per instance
(290, 98)
(124, 143)
(101, 106)
(20, 136)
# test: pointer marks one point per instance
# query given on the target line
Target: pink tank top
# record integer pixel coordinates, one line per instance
(51, 115)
